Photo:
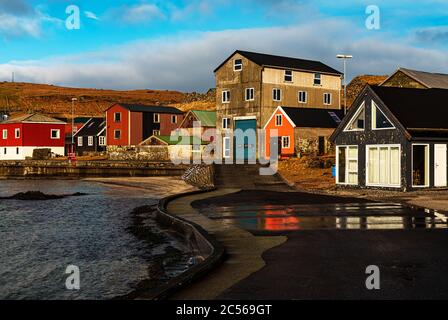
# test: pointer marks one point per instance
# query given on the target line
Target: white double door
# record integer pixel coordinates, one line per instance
(440, 165)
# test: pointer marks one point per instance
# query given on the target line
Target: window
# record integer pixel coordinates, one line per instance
(250, 94)
(420, 165)
(238, 65)
(55, 133)
(278, 120)
(79, 141)
(327, 98)
(226, 147)
(156, 132)
(358, 121)
(90, 141)
(379, 119)
(347, 165)
(285, 142)
(276, 94)
(5, 150)
(17, 150)
(173, 119)
(102, 141)
(302, 96)
(117, 116)
(117, 134)
(5, 134)
(226, 96)
(317, 79)
(225, 123)
(288, 76)
(156, 118)
(383, 166)
(17, 133)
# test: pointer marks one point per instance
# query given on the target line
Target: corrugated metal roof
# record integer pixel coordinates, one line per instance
(207, 118)
(34, 117)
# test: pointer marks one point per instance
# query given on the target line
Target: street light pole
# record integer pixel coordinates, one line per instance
(345, 57)
(73, 124)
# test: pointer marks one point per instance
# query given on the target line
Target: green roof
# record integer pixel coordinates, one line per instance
(181, 140)
(207, 118)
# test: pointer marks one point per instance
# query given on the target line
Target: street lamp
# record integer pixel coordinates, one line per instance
(345, 57)
(73, 124)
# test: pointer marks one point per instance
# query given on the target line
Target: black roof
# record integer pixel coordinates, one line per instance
(92, 127)
(284, 62)
(314, 118)
(146, 108)
(416, 108)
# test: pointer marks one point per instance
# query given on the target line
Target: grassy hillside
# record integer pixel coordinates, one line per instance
(56, 101)
(358, 83)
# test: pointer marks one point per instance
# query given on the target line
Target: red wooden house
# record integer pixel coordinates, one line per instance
(130, 124)
(21, 135)
(301, 130)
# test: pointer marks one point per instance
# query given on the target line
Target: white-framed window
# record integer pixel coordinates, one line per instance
(80, 141)
(420, 165)
(117, 117)
(226, 147)
(55, 133)
(173, 119)
(156, 132)
(102, 141)
(17, 150)
(5, 134)
(238, 65)
(250, 94)
(286, 143)
(226, 96)
(117, 134)
(156, 118)
(225, 123)
(276, 94)
(327, 98)
(358, 122)
(17, 133)
(5, 150)
(302, 96)
(278, 120)
(379, 120)
(347, 165)
(288, 76)
(383, 165)
(90, 141)
(317, 79)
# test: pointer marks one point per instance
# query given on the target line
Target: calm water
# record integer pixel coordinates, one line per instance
(39, 239)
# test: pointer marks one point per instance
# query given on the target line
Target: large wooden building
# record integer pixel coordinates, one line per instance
(394, 138)
(130, 124)
(250, 86)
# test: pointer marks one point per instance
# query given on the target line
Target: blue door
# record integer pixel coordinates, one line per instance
(245, 144)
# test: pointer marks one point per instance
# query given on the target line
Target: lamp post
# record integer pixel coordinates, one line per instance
(345, 57)
(73, 124)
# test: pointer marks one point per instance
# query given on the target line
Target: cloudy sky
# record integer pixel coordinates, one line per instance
(177, 44)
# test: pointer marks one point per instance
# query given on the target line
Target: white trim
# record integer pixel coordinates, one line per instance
(292, 76)
(373, 108)
(154, 116)
(253, 94)
(102, 143)
(281, 94)
(77, 131)
(90, 141)
(80, 139)
(17, 136)
(234, 64)
(5, 134)
(99, 133)
(115, 136)
(289, 142)
(331, 98)
(58, 136)
(428, 168)
(245, 118)
(306, 96)
(346, 164)
(357, 113)
(115, 118)
(228, 123)
(284, 113)
(378, 146)
(222, 96)
(281, 120)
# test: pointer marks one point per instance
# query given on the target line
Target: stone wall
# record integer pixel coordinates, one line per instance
(200, 176)
(307, 141)
(139, 153)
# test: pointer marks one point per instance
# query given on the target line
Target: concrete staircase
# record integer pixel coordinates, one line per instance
(246, 176)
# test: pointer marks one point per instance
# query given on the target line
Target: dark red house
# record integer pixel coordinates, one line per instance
(130, 124)
(21, 135)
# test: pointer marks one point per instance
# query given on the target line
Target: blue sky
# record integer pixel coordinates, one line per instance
(176, 44)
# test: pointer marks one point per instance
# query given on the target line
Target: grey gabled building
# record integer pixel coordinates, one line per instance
(394, 138)
(91, 137)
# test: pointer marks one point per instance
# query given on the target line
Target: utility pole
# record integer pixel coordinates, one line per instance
(345, 57)
(73, 124)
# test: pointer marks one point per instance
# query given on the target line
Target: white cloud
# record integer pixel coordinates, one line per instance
(186, 61)
(144, 12)
(91, 15)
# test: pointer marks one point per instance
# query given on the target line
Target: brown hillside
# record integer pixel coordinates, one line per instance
(56, 101)
(358, 83)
